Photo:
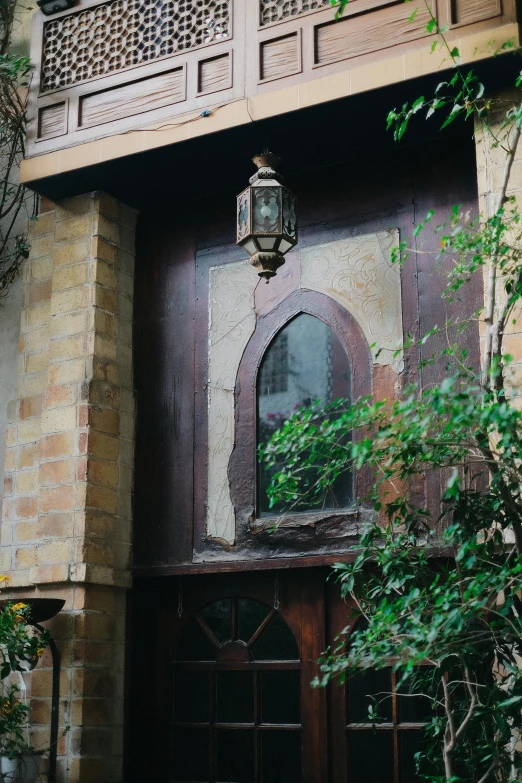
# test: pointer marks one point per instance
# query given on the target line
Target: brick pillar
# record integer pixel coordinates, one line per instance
(66, 528)
(490, 168)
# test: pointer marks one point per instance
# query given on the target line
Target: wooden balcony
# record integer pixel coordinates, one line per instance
(123, 68)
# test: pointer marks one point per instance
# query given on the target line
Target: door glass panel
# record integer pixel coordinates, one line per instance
(191, 755)
(238, 696)
(218, 617)
(374, 687)
(276, 643)
(280, 697)
(235, 756)
(195, 645)
(250, 616)
(305, 364)
(281, 756)
(411, 708)
(410, 744)
(370, 756)
(235, 697)
(191, 697)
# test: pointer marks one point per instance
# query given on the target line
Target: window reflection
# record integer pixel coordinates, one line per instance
(305, 364)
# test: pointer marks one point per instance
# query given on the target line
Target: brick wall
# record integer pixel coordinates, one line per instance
(66, 526)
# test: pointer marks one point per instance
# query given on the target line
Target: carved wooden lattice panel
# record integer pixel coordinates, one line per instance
(112, 36)
(275, 10)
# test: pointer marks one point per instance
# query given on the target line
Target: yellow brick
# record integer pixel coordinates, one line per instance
(41, 269)
(107, 229)
(104, 473)
(26, 481)
(71, 276)
(104, 322)
(103, 347)
(71, 253)
(59, 419)
(43, 224)
(10, 459)
(74, 207)
(42, 246)
(70, 323)
(38, 315)
(37, 339)
(25, 531)
(32, 384)
(62, 471)
(70, 299)
(76, 228)
(54, 552)
(11, 435)
(37, 362)
(104, 250)
(64, 348)
(25, 558)
(105, 275)
(29, 431)
(66, 372)
(29, 455)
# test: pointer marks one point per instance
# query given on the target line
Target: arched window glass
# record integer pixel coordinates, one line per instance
(237, 710)
(304, 364)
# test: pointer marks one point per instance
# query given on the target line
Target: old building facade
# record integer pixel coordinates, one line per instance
(152, 362)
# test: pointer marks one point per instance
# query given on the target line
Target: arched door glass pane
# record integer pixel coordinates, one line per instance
(304, 364)
(237, 711)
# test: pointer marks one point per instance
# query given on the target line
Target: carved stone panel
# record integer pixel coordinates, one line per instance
(231, 324)
(359, 275)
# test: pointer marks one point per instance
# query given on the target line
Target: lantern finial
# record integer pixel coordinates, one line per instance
(266, 217)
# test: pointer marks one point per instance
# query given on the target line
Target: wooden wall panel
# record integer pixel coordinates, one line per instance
(467, 11)
(280, 57)
(214, 74)
(133, 98)
(368, 32)
(52, 120)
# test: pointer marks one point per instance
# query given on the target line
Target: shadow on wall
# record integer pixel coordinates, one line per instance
(10, 311)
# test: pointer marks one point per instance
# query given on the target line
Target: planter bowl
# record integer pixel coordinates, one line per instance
(23, 769)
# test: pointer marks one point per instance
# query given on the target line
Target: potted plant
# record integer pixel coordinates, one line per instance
(21, 646)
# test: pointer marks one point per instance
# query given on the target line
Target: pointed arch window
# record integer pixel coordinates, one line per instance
(305, 364)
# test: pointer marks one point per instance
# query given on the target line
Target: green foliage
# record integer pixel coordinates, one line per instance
(21, 647)
(438, 590)
(15, 74)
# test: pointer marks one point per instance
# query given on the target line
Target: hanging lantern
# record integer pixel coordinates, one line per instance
(266, 217)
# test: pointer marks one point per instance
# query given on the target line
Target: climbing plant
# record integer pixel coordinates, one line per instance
(15, 201)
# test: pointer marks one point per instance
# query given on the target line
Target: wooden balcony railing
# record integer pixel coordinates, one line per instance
(120, 65)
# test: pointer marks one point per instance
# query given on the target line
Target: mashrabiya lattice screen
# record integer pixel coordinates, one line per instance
(112, 36)
(275, 10)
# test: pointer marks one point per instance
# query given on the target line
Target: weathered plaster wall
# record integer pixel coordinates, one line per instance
(10, 311)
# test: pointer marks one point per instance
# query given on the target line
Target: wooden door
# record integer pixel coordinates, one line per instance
(220, 680)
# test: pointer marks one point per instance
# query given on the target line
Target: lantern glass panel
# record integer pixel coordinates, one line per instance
(250, 246)
(284, 246)
(267, 210)
(289, 215)
(267, 243)
(243, 215)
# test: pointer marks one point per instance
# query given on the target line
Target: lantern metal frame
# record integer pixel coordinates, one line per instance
(266, 244)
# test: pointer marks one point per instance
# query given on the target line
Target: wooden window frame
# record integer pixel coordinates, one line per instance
(243, 461)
